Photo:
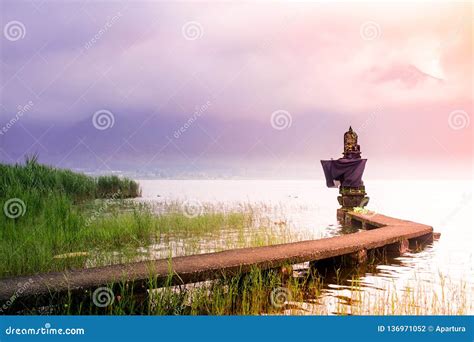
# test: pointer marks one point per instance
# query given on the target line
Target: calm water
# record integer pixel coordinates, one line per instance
(310, 209)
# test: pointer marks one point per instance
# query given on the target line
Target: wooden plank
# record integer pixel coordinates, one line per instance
(201, 267)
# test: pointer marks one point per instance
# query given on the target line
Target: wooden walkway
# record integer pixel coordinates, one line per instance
(381, 231)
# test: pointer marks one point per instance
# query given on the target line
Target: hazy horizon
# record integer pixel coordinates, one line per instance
(237, 90)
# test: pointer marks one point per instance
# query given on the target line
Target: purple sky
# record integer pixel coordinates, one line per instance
(235, 87)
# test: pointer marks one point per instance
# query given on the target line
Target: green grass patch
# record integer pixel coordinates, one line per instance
(52, 221)
(34, 178)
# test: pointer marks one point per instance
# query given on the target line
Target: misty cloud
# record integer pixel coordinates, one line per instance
(410, 63)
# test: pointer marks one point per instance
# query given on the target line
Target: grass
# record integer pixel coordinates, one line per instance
(272, 292)
(42, 216)
(58, 223)
(30, 243)
(439, 296)
(38, 179)
(255, 293)
(71, 220)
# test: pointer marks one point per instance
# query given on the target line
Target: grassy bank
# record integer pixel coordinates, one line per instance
(55, 219)
(52, 220)
(42, 215)
(34, 178)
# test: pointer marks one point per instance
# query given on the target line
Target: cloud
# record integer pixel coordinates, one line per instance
(409, 62)
(252, 58)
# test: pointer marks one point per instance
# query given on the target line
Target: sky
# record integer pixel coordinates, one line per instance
(253, 89)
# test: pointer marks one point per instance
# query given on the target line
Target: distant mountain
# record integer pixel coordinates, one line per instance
(407, 74)
(166, 144)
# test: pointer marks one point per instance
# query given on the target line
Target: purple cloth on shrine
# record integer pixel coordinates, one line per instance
(347, 171)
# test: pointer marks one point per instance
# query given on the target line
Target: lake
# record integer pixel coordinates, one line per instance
(309, 208)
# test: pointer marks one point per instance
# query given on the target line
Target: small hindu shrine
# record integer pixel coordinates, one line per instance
(346, 173)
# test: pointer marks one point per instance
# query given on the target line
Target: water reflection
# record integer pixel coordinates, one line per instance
(420, 281)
